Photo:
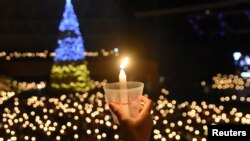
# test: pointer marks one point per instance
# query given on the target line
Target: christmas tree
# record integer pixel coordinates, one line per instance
(69, 71)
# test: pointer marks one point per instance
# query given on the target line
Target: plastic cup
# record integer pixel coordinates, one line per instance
(127, 98)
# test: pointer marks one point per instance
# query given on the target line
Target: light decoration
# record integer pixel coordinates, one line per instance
(235, 98)
(237, 55)
(59, 118)
(196, 22)
(46, 54)
(71, 45)
(72, 77)
(223, 82)
(19, 87)
(25, 86)
(235, 88)
(242, 63)
(4, 96)
(69, 72)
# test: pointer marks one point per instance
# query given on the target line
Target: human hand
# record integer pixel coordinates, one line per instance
(135, 129)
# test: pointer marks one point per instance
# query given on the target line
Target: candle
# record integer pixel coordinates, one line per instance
(123, 86)
(122, 75)
(122, 79)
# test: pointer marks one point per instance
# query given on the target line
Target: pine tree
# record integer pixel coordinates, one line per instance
(69, 71)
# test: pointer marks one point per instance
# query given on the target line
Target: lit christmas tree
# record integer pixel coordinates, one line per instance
(69, 71)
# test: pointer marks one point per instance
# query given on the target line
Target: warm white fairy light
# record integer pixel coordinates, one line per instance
(46, 54)
(231, 81)
(99, 137)
(77, 108)
(88, 131)
(58, 138)
(116, 136)
(76, 136)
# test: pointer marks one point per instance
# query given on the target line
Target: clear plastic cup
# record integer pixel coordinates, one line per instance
(127, 98)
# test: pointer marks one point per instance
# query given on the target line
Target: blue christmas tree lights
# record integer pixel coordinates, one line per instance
(69, 72)
(71, 44)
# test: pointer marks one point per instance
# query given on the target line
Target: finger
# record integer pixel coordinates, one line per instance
(147, 105)
(119, 112)
(116, 109)
(140, 108)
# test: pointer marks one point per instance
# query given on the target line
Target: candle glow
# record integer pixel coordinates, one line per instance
(124, 63)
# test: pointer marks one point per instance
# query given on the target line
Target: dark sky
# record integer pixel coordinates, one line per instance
(189, 52)
(186, 52)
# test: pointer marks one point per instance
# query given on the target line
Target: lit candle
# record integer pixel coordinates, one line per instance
(123, 86)
(122, 75)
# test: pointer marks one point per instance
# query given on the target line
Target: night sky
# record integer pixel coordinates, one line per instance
(187, 52)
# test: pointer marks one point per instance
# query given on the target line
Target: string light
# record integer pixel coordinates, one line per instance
(71, 46)
(197, 116)
(57, 117)
(231, 82)
(48, 55)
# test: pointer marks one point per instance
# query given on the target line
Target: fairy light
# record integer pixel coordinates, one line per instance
(58, 138)
(115, 127)
(76, 136)
(96, 130)
(88, 131)
(91, 107)
(62, 131)
(74, 127)
(46, 54)
(231, 81)
(116, 136)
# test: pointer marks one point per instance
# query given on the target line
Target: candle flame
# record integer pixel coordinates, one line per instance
(124, 63)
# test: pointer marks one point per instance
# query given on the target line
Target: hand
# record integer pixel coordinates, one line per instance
(135, 129)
